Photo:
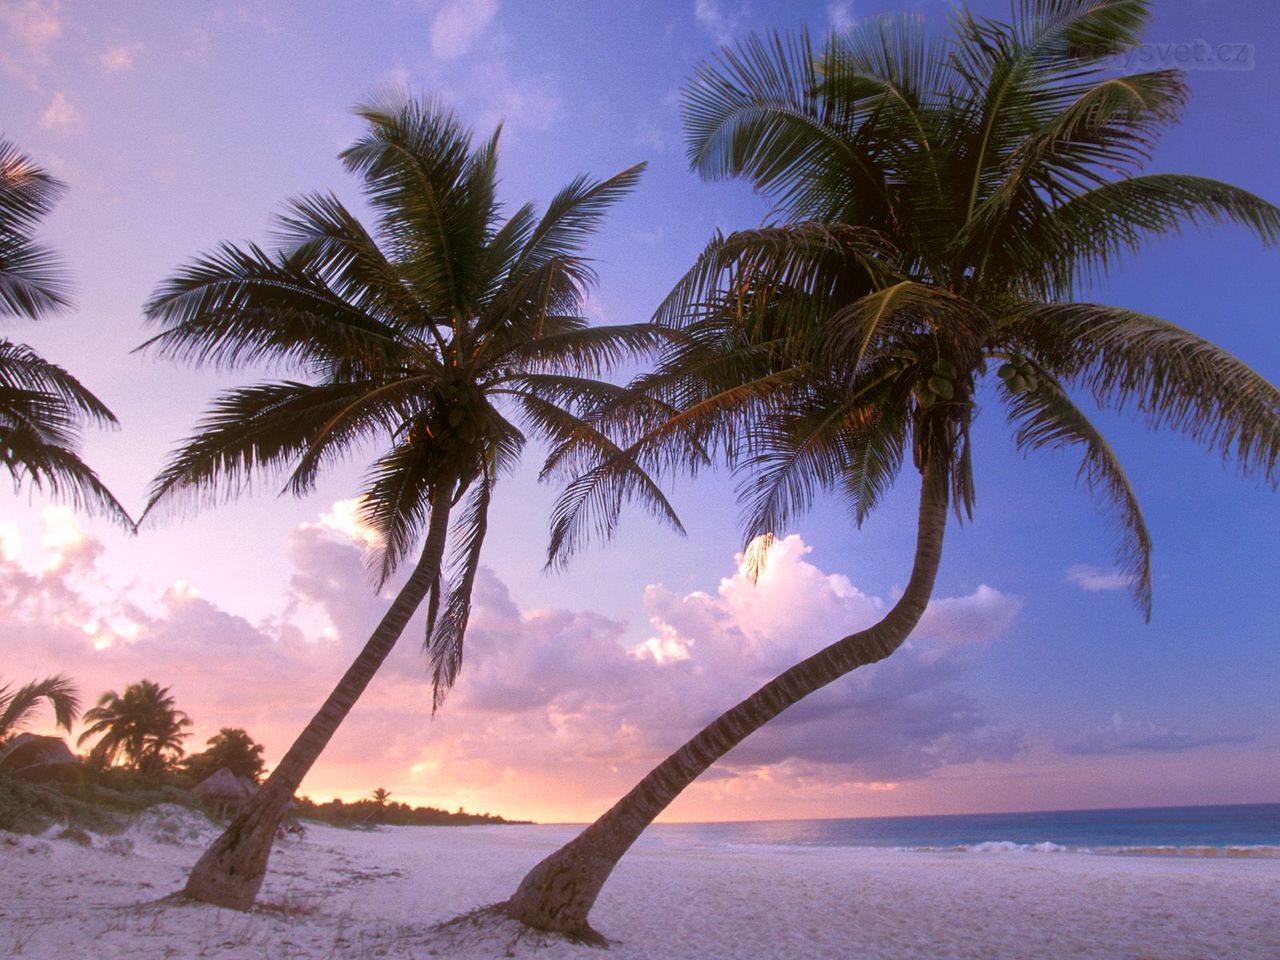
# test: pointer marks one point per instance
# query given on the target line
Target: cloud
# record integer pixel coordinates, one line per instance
(119, 59)
(458, 24)
(32, 27)
(556, 710)
(840, 13)
(60, 116)
(1140, 736)
(723, 27)
(523, 102)
(1097, 580)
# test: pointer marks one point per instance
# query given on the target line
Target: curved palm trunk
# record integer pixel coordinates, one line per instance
(559, 892)
(230, 872)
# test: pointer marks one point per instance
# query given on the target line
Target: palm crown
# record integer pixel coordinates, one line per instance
(142, 725)
(938, 204)
(42, 406)
(446, 337)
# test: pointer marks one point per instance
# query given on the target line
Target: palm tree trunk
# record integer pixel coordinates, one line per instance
(560, 891)
(230, 872)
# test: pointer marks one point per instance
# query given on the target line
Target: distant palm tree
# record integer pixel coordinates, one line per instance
(431, 338)
(380, 796)
(142, 727)
(232, 748)
(18, 706)
(941, 204)
(42, 406)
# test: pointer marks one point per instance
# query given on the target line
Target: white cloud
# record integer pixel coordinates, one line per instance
(723, 27)
(60, 116)
(459, 24)
(523, 102)
(840, 13)
(1096, 580)
(119, 59)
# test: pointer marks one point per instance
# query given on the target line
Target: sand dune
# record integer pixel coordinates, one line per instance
(341, 893)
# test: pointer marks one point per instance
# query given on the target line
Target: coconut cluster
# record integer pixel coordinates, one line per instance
(1019, 375)
(940, 385)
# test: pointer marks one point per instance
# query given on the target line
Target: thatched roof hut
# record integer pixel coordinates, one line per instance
(31, 756)
(224, 792)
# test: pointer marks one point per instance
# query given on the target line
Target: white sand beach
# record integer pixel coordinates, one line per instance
(348, 893)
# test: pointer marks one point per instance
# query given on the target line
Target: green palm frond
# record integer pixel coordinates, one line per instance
(1168, 376)
(426, 183)
(794, 454)
(572, 216)
(586, 351)
(444, 642)
(240, 307)
(755, 111)
(1046, 418)
(269, 429)
(1080, 241)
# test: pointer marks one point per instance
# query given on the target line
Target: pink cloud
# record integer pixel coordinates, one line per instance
(557, 711)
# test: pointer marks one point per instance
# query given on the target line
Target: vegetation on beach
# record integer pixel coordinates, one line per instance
(141, 726)
(361, 813)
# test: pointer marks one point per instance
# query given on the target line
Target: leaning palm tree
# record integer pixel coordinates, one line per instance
(434, 336)
(42, 406)
(940, 202)
(141, 727)
(18, 706)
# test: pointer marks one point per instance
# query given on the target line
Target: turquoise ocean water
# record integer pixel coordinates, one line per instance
(1242, 830)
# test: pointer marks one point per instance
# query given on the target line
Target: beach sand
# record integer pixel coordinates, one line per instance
(353, 893)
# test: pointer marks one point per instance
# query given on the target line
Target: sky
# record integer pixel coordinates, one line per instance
(1032, 683)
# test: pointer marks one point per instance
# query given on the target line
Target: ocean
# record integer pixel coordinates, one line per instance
(1239, 830)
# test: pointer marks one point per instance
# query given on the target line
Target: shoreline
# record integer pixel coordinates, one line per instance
(379, 893)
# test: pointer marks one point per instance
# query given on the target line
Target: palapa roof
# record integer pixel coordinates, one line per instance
(33, 749)
(225, 785)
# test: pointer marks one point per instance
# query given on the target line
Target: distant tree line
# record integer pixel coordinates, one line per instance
(140, 735)
(372, 812)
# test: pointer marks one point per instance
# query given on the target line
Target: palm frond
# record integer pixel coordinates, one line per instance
(242, 306)
(18, 706)
(1170, 377)
(27, 192)
(1081, 240)
(572, 216)
(444, 641)
(1046, 418)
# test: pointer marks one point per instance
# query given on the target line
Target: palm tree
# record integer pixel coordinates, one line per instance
(939, 204)
(435, 337)
(17, 706)
(232, 748)
(142, 726)
(42, 406)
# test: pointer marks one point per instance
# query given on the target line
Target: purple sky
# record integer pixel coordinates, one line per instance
(1033, 682)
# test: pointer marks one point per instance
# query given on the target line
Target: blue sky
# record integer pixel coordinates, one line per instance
(178, 126)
